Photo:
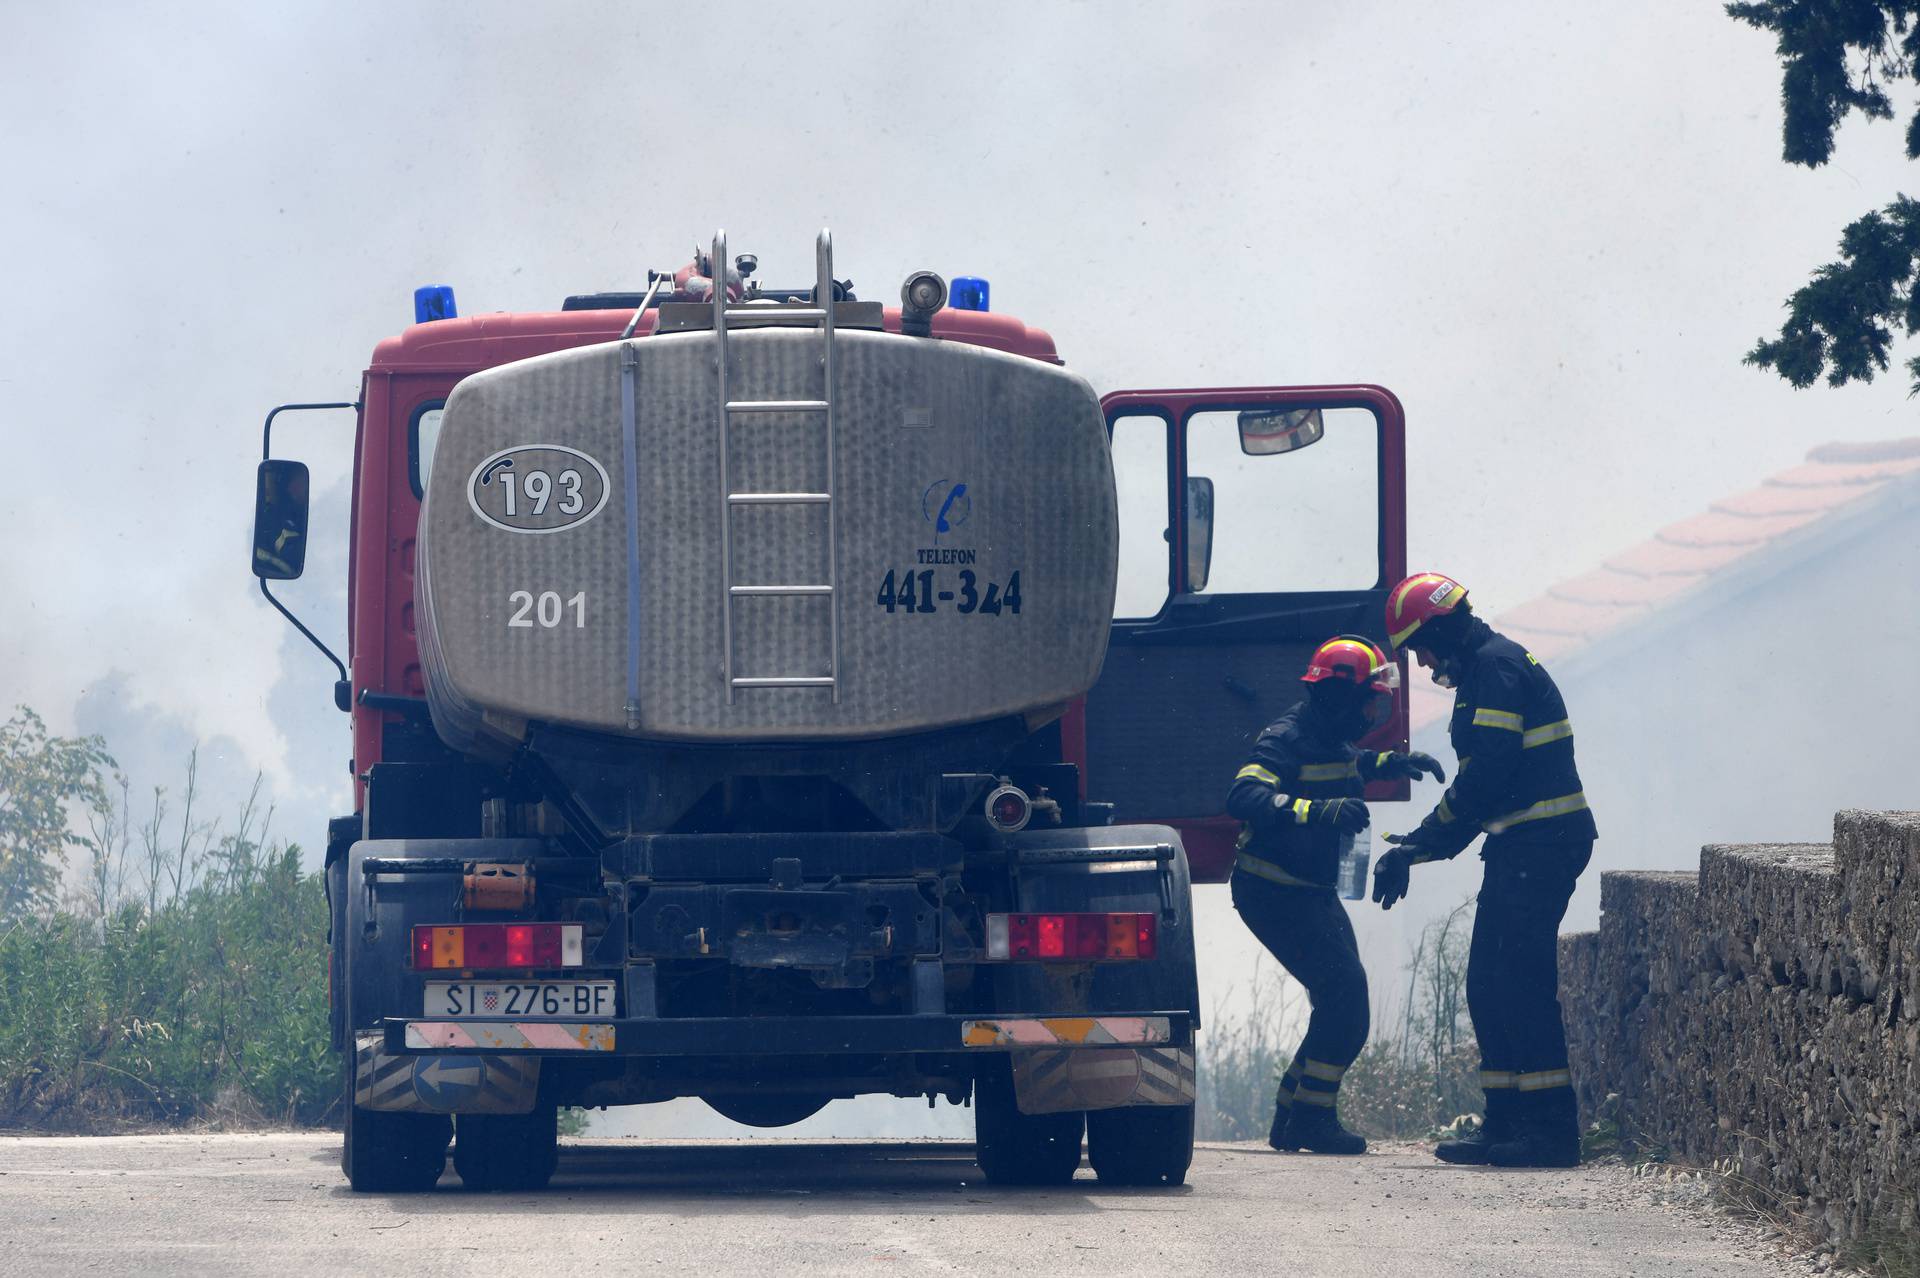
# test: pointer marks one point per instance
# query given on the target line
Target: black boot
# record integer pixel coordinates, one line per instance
(1474, 1149)
(1317, 1130)
(1537, 1145)
(1277, 1133)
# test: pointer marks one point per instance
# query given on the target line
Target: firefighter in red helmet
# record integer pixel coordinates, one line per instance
(1298, 799)
(1516, 783)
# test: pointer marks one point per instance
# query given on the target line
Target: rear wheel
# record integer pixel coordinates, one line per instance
(507, 1151)
(1013, 1148)
(1141, 1144)
(390, 1153)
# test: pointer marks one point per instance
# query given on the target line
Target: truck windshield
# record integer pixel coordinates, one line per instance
(422, 434)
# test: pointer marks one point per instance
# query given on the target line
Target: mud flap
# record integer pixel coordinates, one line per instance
(1052, 1082)
(443, 1084)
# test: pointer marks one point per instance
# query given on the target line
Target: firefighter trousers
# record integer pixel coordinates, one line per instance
(1513, 980)
(1307, 930)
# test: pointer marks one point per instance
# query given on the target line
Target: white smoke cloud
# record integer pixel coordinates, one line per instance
(1552, 230)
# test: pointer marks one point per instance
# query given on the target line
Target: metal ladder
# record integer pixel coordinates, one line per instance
(820, 313)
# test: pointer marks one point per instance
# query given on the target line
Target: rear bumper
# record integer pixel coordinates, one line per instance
(785, 1035)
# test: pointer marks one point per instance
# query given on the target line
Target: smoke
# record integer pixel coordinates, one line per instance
(1552, 231)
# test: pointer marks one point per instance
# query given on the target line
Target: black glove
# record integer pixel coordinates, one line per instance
(1395, 766)
(1349, 816)
(1391, 875)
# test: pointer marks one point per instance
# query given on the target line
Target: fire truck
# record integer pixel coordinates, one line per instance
(769, 696)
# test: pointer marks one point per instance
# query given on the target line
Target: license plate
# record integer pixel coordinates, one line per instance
(519, 998)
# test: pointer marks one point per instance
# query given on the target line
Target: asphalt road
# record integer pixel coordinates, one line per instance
(275, 1204)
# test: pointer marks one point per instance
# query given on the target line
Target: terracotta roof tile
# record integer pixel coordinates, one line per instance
(1846, 453)
(1605, 586)
(1658, 559)
(1717, 529)
(1823, 474)
(1565, 617)
(1639, 581)
(1779, 499)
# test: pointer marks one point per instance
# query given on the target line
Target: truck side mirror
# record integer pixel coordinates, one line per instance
(280, 520)
(1264, 432)
(1199, 533)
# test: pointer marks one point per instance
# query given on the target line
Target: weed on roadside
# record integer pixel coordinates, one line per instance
(1417, 1075)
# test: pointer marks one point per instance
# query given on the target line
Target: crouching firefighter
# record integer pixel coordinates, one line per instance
(1299, 801)
(1516, 782)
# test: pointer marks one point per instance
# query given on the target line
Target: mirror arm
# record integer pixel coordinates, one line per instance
(343, 687)
(340, 691)
(266, 433)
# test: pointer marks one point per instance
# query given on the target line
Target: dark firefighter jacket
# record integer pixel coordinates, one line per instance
(1294, 759)
(1514, 743)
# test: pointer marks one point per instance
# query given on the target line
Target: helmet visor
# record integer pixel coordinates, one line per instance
(1382, 688)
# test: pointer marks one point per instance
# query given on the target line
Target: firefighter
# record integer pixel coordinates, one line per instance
(1298, 799)
(1516, 782)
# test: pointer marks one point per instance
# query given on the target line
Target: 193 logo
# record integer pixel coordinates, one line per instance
(538, 488)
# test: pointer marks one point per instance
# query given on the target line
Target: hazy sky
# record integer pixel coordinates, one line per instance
(1552, 229)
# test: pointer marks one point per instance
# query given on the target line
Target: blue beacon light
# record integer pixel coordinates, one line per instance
(434, 302)
(968, 293)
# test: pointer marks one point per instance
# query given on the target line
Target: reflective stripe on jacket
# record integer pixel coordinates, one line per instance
(1291, 758)
(1514, 741)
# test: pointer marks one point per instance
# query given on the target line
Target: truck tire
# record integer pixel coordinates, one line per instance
(390, 1153)
(507, 1151)
(1141, 1144)
(1013, 1148)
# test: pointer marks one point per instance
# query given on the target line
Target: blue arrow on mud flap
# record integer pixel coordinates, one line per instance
(448, 1083)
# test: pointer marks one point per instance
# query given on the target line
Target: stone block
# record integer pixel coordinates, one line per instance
(1766, 1010)
(1879, 856)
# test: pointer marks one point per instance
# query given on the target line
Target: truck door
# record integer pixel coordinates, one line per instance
(1254, 523)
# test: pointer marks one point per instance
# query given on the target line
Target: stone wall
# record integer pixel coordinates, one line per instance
(1766, 1009)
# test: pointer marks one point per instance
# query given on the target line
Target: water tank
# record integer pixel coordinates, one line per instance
(575, 575)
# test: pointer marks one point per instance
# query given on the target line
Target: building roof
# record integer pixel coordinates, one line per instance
(1739, 535)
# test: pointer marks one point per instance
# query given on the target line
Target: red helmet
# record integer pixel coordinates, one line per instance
(1353, 659)
(1418, 600)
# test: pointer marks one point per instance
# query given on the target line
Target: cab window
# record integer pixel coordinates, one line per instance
(1304, 518)
(1140, 474)
(423, 432)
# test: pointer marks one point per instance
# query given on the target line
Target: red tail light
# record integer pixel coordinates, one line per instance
(1071, 938)
(497, 945)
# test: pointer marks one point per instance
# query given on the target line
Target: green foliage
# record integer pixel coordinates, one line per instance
(1835, 56)
(184, 980)
(1838, 57)
(39, 776)
(212, 1006)
(1887, 1250)
(1604, 1137)
(1419, 1072)
(1840, 323)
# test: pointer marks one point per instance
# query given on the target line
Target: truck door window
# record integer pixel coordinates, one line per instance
(422, 435)
(1303, 520)
(1140, 476)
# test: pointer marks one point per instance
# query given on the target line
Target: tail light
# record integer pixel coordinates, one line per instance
(1009, 809)
(496, 945)
(1071, 938)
